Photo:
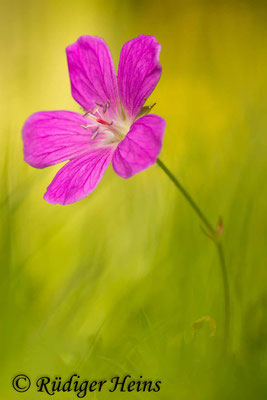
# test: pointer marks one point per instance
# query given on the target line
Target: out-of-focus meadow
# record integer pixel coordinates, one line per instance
(112, 284)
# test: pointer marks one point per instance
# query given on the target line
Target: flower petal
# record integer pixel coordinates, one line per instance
(51, 137)
(141, 147)
(92, 73)
(139, 72)
(78, 177)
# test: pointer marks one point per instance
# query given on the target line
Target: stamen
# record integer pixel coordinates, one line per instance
(96, 111)
(86, 126)
(90, 115)
(95, 132)
(96, 115)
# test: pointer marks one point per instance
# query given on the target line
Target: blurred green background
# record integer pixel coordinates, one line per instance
(112, 284)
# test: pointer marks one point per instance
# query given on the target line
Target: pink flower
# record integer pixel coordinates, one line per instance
(113, 128)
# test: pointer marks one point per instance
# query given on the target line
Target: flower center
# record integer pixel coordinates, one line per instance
(103, 128)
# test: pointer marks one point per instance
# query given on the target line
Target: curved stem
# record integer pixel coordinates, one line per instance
(213, 234)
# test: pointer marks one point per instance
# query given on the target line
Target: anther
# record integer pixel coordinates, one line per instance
(90, 115)
(95, 132)
(96, 110)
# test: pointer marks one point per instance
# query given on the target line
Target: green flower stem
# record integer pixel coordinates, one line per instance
(214, 235)
(226, 294)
